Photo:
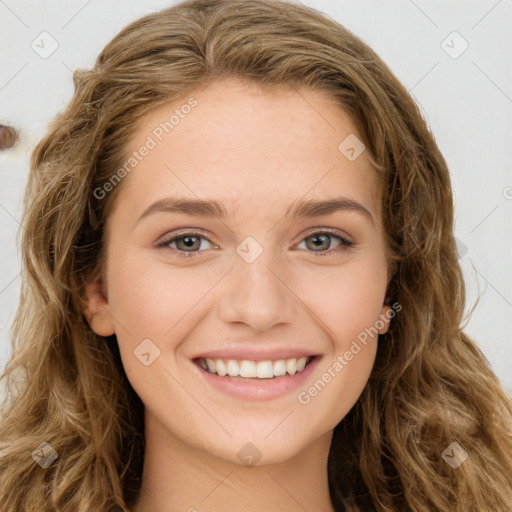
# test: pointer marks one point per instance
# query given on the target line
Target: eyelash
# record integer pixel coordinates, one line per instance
(345, 244)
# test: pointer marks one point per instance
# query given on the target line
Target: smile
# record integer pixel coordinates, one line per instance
(248, 379)
(255, 369)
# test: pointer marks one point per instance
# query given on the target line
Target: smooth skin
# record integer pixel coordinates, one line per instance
(257, 151)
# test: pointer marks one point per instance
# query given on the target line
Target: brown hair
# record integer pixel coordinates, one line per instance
(430, 385)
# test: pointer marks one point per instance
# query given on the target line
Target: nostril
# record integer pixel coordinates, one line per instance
(8, 137)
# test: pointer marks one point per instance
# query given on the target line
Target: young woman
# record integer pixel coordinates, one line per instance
(242, 289)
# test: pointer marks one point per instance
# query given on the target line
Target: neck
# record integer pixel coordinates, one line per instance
(178, 478)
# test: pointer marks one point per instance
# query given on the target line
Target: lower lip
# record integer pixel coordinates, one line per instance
(264, 389)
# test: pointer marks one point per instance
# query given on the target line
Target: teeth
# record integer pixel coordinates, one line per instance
(254, 369)
(233, 368)
(264, 370)
(301, 363)
(279, 368)
(291, 366)
(247, 368)
(221, 368)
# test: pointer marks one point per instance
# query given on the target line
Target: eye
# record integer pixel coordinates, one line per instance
(189, 244)
(186, 244)
(322, 240)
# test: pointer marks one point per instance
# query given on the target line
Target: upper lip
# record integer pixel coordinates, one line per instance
(253, 354)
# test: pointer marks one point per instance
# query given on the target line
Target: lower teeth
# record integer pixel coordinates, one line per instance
(248, 378)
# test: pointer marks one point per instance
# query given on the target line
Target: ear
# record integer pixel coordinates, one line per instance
(95, 308)
(386, 313)
(384, 319)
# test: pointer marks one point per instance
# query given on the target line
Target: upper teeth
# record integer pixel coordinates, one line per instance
(260, 369)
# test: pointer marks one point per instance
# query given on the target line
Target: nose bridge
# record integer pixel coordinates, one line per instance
(255, 293)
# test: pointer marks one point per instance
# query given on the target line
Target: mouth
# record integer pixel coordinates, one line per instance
(246, 379)
(247, 369)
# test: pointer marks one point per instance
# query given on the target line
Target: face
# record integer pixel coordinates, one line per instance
(283, 266)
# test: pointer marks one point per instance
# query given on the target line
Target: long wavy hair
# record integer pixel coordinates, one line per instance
(65, 387)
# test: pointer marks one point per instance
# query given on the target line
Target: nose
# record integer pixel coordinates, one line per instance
(258, 294)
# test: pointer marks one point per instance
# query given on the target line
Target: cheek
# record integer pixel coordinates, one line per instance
(346, 299)
(358, 307)
(147, 302)
(151, 300)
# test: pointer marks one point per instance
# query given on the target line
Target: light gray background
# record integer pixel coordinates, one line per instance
(466, 100)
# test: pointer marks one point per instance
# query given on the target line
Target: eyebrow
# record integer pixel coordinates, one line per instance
(213, 208)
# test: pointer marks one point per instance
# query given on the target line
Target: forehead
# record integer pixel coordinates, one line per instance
(249, 145)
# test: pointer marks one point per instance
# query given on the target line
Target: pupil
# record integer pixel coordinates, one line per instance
(318, 238)
(189, 241)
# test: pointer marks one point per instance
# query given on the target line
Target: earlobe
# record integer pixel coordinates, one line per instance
(386, 313)
(384, 319)
(96, 308)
